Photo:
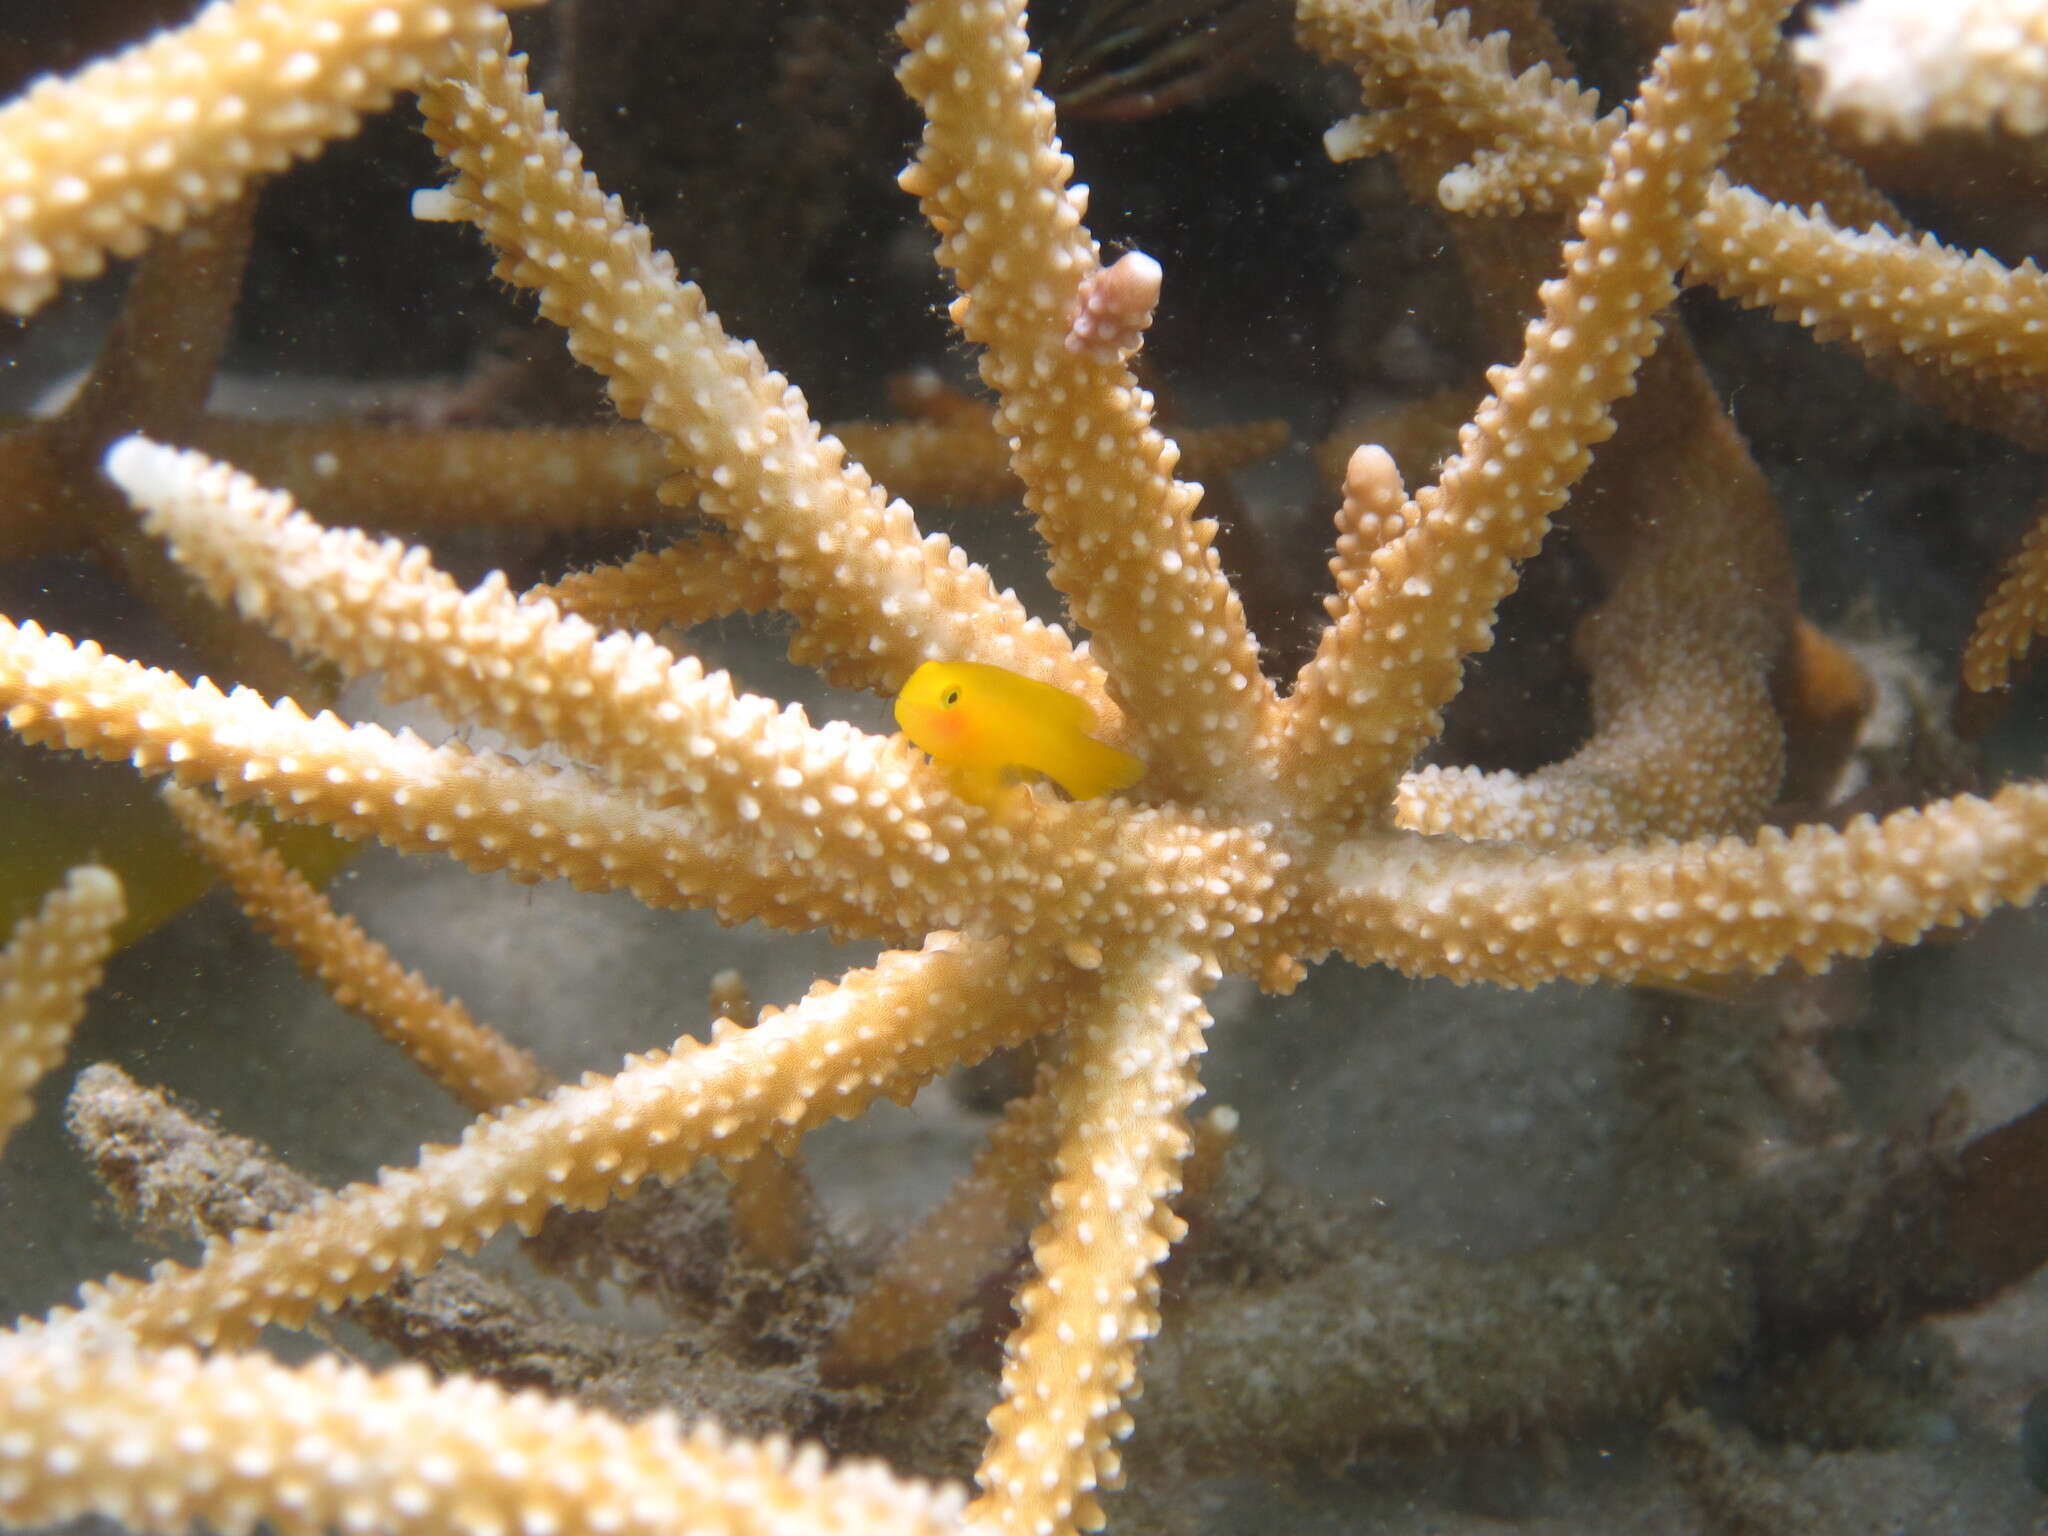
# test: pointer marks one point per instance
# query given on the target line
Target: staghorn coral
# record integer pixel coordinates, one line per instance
(1263, 838)
(51, 963)
(1890, 67)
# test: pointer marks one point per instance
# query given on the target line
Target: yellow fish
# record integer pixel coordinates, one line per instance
(981, 721)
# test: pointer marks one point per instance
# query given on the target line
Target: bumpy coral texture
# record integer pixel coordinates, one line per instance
(1277, 825)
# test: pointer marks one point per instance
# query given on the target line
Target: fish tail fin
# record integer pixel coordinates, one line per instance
(1100, 769)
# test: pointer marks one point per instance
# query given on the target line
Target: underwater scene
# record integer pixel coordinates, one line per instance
(1189, 766)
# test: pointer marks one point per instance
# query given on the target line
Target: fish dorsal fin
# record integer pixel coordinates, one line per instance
(1004, 689)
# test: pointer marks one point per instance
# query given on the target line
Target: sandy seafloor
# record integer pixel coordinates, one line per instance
(1472, 1120)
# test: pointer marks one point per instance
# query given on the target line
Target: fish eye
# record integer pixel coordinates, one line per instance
(952, 697)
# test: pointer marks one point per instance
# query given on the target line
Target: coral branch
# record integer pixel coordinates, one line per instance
(1880, 292)
(981, 1221)
(1128, 1075)
(1139, 570)
(93, 164)
(373, 476)
(1666, 910)
(1264, 837)
(163, 1441)
(2013, 618)
(51, 963)
(1685, 740)
(479, 1068)
(1352, 723)
(890, 1028)
(874, 596)
(691, 582)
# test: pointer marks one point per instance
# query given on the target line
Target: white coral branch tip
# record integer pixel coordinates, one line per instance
(1116, 307)
(142, 469)
(439, 205)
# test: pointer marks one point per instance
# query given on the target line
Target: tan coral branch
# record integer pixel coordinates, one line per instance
(1666, 911)
(52, 962)
(389, 477)
(1809, 238)
(881, 1031)
(165, 1441)
(1123, 1086)
(2013, 618)
(693, 581)
(1371, 696)
(874, 596)
(896, 841)
(1682, 653)
(1541, 141)
(1139, 569)
(1375, 511)
(90, 165)
(773, 1214)
(479, 1068)
(651, 720)
(962, 460)
(1880, 292)
(982, 1219)
(533, 822)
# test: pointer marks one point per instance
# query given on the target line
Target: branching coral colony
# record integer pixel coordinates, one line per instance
(1274, 827)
